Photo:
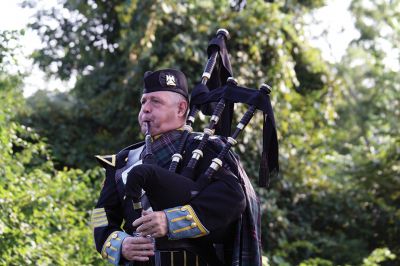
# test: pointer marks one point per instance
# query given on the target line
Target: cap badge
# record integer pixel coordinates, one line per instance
(170, 80)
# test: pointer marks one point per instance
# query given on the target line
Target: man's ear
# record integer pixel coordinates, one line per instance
(182, 107)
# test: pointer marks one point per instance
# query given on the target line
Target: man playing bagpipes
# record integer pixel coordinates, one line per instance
(179, 198)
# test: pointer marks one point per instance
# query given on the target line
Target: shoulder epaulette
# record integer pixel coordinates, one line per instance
(107, 160)
(116, 160)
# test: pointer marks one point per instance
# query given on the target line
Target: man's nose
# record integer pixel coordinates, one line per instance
(146, 108)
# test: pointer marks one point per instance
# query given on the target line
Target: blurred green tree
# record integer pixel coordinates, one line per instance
(43, 212)
(356, 212)
(370, 114)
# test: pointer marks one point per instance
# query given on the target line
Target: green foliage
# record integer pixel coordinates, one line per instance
(339, 225)
(369, 112)
(44, 213)
(377, 256)
(350, 206)
(8, 43)
(316, 262)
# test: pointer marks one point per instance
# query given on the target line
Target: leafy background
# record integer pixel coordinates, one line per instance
(336, 201)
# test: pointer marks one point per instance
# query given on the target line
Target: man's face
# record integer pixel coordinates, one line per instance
(163, 110)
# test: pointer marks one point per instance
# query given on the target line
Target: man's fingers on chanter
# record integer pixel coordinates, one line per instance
(135, 249)
(137, 258)
(143, 247)
(146, 227)
(138, 221)
(140, 240)
(142, 220)
(144, 213)
(144, 253)
(156, 234)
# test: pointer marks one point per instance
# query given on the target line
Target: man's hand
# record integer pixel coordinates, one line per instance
(154, 224)
(137, 248)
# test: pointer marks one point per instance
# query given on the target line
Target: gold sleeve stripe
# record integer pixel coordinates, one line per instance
(178, 219)
(98, 210)
(202, 229)
(100, 221)
(99, 225)
(99, 218)
(182, 229)
(113, 248)
(174, 210)
(100, 215)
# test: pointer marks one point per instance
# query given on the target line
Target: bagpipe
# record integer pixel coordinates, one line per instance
(214, 96)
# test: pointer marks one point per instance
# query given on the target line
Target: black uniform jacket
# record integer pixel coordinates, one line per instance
(207, 218)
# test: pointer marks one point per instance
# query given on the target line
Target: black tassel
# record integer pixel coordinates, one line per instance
(263, 173)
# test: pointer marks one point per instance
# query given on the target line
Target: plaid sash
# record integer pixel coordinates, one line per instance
(247, 243)
(164, 146)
